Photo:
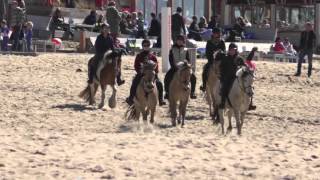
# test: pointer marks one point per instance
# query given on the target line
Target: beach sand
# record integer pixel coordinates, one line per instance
(48, 132)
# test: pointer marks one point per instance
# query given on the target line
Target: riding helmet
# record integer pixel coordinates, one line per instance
(233, 46)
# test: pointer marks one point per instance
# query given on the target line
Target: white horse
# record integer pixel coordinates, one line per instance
(238, 100)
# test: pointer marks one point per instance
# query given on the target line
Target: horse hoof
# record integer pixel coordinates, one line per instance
(101, 106)
(174, 124)
(179, 122)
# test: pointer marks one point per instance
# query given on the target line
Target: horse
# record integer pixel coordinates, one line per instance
(146, 98)
(105, 75)
(238, 98)
(213, 77)
(179, 92)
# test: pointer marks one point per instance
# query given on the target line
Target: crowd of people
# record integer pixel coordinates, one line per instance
(18, 30)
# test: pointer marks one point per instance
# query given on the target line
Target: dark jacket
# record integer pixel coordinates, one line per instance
(229, 66)
(141, 58)
(155, 28)
(194, 27)
(213, 24)
(90, 20)
(177, 24)
(70, 4)
(307, 43)
(212, 47)
(103, 44)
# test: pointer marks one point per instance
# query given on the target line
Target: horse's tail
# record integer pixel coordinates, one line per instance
(131, 113)
(85, 94)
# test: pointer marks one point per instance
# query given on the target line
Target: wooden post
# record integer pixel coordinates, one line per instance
(82, 46)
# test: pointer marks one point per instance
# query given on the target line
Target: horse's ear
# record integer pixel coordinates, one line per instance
(240, 72)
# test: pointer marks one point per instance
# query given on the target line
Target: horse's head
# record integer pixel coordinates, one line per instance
(114, 55)
(219, 55)
(184, 74)
(246, 77)
(149, 76)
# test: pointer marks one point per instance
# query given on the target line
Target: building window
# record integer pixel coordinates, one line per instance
(161, 4)
(294, 17)
(199, 8)
(175, 4)
(188, 8)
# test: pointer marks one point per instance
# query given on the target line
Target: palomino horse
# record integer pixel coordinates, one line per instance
(179, 92)
(213, 77)
(146, 98)
(238, 99)
(105, 75)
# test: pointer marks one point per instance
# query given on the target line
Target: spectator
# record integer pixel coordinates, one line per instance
(17, 20)
(307, 45)
(140, 26)
(177, 24)
(265, 24)
(70, 4)
(203, 23)
(213, 22)
(288, 47)
(252, 67)
(4, 35)
(91, 18)
(57, 23)
(237, 30)
(124, 27)
(98, 24)
(194, 30)
(133, 21)
(278, 46)
(28, 35)
(21, 4)
(155, 27)
(113, 19)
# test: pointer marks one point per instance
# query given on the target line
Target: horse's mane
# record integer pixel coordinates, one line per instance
(183, 65)
(217, 55)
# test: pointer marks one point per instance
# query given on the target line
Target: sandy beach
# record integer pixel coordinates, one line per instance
(48, 132)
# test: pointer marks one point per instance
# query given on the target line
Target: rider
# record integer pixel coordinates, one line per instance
(142, 58)
(213, 45)
(228, 68)
(177, 54)
(104, 42)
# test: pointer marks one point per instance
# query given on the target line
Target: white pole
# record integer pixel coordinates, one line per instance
(165, 37)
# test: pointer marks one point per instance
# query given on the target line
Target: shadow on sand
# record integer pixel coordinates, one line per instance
(74, 107)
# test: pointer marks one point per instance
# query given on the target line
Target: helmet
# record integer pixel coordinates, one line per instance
(216, 30)
(105, 25)
(233, 46)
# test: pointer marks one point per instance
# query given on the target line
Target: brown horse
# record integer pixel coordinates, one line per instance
(146, 98)
(105, 75)
(179, 92)
(213, 77)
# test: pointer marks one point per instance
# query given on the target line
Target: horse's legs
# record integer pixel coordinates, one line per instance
(183, 109)
(113, 99)
(237, 116)
(221, 119)
(93, 87)
(173, 110)
(145, 114)
(103, 95)
(229, 129)
(242, 115)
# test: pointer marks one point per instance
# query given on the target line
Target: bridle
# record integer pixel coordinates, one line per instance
(243, 87)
